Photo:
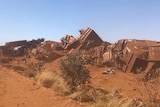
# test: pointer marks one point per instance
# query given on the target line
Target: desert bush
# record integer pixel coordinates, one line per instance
(18, 68)
(4, 60)
(74, 71)
(85, 95)
(102, 98)
(52, 80)
(114, 99)
(153, 103)
(8, 66)
(32, 74)
(152, 74)
(34, 69)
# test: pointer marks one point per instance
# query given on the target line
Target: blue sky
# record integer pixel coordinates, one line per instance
(51, 19)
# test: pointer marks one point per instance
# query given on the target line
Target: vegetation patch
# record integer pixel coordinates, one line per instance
(74, 71)
(114, 99)
(18, 68)
(52, 80)
(4, 60)
(34, 69)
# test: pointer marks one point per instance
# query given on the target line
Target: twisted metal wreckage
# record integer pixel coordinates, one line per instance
(129, 55)
(19, 48)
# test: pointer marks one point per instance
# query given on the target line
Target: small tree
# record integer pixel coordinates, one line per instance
(74, 72)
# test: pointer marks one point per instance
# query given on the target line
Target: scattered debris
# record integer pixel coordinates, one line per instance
(109, 71)
(19, 48)
(134, 56)
(129, 55)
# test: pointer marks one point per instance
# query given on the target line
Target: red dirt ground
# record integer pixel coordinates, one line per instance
(19, 91)
(129, 85)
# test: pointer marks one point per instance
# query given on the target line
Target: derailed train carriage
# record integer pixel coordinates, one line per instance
(129, 55)
(19, 48)
(135, 56)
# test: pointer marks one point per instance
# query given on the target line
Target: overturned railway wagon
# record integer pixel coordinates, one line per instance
(89, 43)
(18, 48)
(129, 55)
(136, 56)
(87, 39)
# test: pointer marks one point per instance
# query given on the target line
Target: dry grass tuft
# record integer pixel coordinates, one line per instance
(113, 99)
(85, 95)
(52, 80)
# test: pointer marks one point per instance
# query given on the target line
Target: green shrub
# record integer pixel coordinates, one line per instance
(74, 72)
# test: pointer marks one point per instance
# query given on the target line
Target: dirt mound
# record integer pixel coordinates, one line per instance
(18, 91)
